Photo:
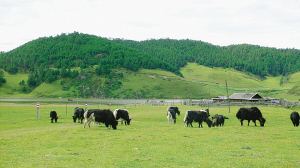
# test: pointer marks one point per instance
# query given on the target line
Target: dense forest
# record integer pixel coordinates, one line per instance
(257, 60)
(48, 59)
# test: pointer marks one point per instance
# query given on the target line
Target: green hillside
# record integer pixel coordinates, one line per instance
(199, 82)
(88, 66)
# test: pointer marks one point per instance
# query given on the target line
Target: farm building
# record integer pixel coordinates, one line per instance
(220, 99)
(245, 97)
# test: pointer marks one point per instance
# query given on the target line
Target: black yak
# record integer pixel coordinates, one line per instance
(103, 116)
(78, 114)
(122, 114)
(171, 116)
(53, 116)
(295, 118)
(218, 120)
(252, 113)
(197, 116)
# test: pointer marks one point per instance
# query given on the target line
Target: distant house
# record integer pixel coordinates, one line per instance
(220, 99)
(272, 100)
(242, 97)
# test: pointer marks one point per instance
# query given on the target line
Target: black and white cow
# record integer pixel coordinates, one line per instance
(104, 116)
(176, 110)
(53, 116)
(79, 112)
(171, 116)
(218, 120)
(295, 118)
(122, 114)
(249, 114)
(197, 116)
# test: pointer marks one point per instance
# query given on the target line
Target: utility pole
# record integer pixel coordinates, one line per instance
(227, 96)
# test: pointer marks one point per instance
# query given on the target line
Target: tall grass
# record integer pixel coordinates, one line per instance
(149, 141)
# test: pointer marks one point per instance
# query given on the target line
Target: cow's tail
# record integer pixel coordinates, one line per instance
(226, 117)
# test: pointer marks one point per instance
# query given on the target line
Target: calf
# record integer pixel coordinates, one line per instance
(103, 116)
(249, 114)
(122, 114)
(197, 116)
(53, 116)
(171, 116)
(295, 118)
(79, 112)
(218, 120)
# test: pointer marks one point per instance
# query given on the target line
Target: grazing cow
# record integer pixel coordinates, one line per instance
(78, 114)
(197, 116)
(218, 120)
(295, 118)
(53, 116)
(176, 110)
(252, 113)
(103, 116)
(171, 116)
(123, 114)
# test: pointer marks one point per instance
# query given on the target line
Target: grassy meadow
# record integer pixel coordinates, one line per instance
(149, 141)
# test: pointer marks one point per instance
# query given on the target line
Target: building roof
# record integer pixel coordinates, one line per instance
(220, 98)
(245, 96)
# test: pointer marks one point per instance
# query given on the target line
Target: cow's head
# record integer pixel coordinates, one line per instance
(214, 121)
(208, 122)
(262, 121)
(74, 118)
(128, 121)
(114, 124)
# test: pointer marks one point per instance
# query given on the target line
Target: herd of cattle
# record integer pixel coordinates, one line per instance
(110, 118)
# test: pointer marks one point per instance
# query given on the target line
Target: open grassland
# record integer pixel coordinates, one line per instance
(149, 141)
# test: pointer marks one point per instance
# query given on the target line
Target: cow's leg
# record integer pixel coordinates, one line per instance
(56, 119)
(248, 122)
(84, 124)
(242, 122)
(254, 122)
(190, 121)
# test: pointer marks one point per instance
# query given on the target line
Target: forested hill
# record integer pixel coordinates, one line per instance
(78, 50)
(83, 50)
(257, 60)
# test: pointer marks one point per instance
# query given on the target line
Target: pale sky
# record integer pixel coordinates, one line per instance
(269, 23)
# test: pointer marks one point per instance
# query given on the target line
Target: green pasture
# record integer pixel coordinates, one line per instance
(149, 141)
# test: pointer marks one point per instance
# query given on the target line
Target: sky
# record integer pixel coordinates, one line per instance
(268, 23)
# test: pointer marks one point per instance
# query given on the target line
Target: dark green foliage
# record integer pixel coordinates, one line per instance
(257, 60)
(22, 82)
(2, 80)
(77, 50)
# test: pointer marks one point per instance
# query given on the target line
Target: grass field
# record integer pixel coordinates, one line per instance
(149, 141)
